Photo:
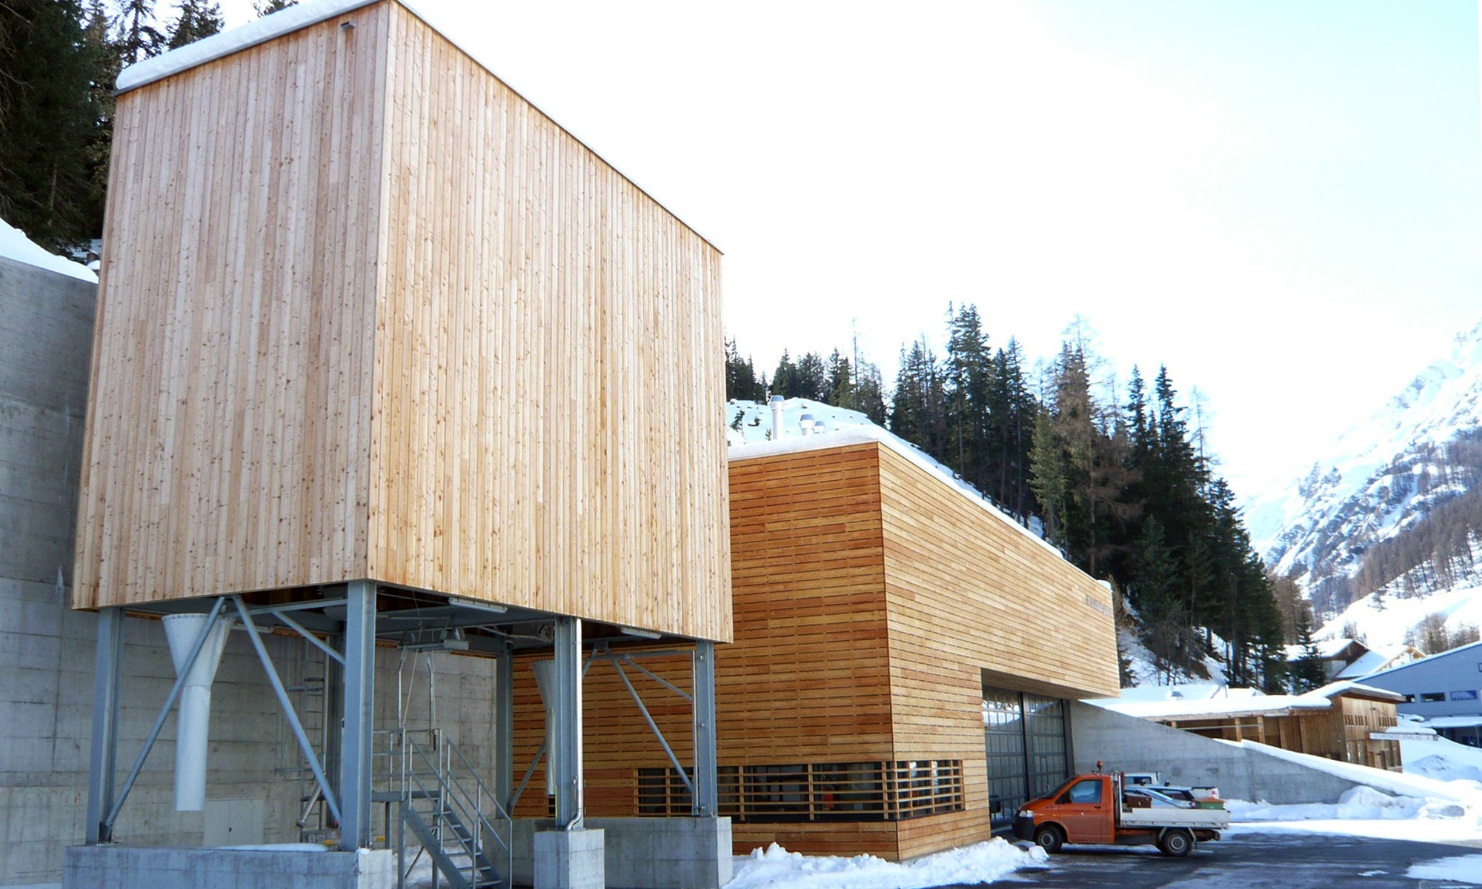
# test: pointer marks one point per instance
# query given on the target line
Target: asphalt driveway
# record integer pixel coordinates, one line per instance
(1251, 861)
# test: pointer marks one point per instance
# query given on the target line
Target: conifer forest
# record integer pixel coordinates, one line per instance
(58, 63)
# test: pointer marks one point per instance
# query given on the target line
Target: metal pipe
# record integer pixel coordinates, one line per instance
(776, 417)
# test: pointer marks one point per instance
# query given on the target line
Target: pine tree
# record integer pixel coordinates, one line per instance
(967, 375)
(197, 19)
(1307, 672)
(268, 7)
(741, 380)
(916, 408)
(47, 120)
(1011, 413)
(135, 36)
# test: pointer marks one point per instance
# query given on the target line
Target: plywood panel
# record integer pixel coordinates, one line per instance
(548, 423)
(227, 443)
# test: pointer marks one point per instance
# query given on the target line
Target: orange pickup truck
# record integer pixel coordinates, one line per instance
(1098, 809)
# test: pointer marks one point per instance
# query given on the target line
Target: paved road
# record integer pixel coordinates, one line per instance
(1250, 861)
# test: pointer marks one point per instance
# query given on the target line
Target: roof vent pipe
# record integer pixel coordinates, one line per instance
(194, 714)
(776, 417)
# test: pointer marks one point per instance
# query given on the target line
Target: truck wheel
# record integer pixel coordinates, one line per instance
(1049, 838)
(1177, 842)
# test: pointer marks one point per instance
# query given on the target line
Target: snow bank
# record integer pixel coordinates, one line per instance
(978, 863)
(15, 245)
(1462, 869)
(1358, 803)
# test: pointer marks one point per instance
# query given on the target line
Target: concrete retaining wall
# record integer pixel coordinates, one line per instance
(1128, 744)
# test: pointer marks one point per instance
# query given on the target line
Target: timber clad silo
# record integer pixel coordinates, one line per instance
(365, 313)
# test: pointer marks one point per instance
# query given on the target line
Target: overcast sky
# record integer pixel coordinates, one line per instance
(1281, 201)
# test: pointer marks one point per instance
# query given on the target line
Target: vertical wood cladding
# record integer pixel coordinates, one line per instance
(228, 444)
(368, 313)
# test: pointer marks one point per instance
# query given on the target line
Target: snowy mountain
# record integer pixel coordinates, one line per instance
(1338, 529)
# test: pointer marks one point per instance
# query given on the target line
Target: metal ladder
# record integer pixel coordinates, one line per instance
(457, 820)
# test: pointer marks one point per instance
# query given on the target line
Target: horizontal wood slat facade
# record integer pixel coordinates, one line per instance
(967, 592)
(365, 312)
(870, 597)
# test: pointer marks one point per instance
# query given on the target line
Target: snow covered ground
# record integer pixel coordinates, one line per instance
(777, 868)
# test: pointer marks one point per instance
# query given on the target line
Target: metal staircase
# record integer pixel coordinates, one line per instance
(452, 814)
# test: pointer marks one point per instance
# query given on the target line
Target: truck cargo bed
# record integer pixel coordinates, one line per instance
(1213, 819)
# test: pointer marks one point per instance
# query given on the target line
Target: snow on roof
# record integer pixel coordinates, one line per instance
(1194, 691)
(1236, 702)
(1214, 708)
(308, 13)
(1452, 721)
(15, 245)
(1349, 687)
(1444, 654)
(236, 39)
(1372, 661)
(1326, 648)
(852, 435)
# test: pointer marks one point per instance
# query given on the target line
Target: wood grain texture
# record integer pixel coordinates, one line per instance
(227, 444)
(870, 598)
(548, 429)
(968, 594)
(366, 312)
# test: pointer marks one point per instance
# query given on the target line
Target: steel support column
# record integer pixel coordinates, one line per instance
(103, 761)
(706, 797)
(355, 738)
(565, 759)
(504, 727)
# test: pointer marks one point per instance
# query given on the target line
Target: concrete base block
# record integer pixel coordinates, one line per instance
(569, 859)
(646, 853)
(125, 867)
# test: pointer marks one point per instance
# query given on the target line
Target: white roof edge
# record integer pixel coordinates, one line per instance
(312, 12)
(234, 40)
(852, 435)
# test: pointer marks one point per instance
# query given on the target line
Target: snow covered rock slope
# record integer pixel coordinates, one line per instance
(1386, 476)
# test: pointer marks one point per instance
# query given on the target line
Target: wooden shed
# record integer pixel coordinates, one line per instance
(366, 313)
(878, 604)
(1344, 721)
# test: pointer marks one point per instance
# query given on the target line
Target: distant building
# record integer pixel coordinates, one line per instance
(1338, 721)
(1443, 689)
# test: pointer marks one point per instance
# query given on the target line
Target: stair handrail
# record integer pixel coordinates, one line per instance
(469, 807)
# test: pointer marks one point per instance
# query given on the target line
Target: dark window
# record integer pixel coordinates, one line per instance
(1432, 697)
